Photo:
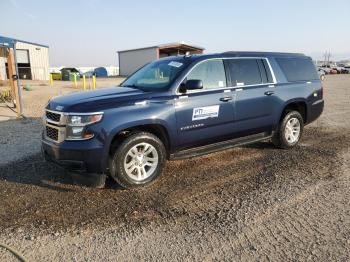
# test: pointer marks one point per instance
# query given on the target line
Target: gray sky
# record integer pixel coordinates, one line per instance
(84, 33)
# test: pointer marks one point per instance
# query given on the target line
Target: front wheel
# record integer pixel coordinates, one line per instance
(289, 131)
(138, 160)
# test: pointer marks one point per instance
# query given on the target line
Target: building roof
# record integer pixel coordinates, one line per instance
(10, 42)
(181, 45)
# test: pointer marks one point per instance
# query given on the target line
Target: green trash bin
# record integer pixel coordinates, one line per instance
(71, 76)
(65, 75)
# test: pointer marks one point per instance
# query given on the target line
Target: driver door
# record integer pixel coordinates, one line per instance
(205, 116)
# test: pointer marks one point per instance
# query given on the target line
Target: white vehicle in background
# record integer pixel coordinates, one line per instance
(328, 69)
(321, 73)
(344, 69)
(339, 68)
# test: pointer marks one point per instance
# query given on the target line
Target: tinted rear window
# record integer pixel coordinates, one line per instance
(298, 69)
(244, 72)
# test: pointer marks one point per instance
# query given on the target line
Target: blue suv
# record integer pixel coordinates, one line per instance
(180, 107)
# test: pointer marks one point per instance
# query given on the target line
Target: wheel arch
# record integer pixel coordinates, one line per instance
(298, 105)
(157, 129)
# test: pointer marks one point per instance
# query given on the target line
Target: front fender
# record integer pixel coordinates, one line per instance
(142, 122)
(120, 119)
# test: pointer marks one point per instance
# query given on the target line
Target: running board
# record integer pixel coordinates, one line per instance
(211, 148)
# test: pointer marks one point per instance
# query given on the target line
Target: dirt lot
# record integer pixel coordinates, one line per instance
(249, 203)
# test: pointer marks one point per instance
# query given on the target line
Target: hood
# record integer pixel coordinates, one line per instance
(96, 100)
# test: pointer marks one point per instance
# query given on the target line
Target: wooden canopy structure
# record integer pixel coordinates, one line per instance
(178, 49)
(8, 51)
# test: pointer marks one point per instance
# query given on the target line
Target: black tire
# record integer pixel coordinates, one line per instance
(279, 137)
(117, 169)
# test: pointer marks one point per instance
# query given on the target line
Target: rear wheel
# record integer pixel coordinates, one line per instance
(289, 131)
(138, 160)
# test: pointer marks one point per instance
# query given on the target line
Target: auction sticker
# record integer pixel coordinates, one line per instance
(201, 113)
(175, 64)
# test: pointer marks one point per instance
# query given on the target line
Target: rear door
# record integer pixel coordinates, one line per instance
(254, 89)
(206, 115)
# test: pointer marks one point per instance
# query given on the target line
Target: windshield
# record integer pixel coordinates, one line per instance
(156, 75)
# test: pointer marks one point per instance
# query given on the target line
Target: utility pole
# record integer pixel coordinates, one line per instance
(324, 58)
(13, 78)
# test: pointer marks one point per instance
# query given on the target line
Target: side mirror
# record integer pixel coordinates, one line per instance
(191, 84)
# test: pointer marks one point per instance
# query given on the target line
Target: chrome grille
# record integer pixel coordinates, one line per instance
(53, 116)
(52, 133)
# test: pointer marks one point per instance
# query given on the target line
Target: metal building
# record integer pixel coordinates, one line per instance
(32, 60)
(133, 59)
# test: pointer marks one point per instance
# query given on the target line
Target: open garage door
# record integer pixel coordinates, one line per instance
(23, 63)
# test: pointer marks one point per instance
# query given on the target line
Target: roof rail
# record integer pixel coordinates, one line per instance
(262, 53)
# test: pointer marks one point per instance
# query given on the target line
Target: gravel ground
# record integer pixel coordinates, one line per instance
(25, 139)
(249, 203)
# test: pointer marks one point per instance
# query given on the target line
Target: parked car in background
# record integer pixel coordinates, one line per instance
(337, 68)
(344, 69)
(328, 69)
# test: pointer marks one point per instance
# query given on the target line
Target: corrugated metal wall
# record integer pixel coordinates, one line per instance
(39, 60)
(130, 61)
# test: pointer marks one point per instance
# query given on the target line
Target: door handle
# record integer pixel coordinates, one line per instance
(226, 98)
(268, 93)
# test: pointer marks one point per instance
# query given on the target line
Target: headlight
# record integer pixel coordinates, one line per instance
(77, 126)
(82, 120)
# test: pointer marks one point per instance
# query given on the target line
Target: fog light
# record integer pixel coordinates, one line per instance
(77, 130)
(87, 136)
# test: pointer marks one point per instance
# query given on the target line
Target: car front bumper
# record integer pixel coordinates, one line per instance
(76, 156)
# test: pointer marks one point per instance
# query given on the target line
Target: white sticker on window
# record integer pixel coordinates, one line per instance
(175, 64)
(201, 113)
(221, 83)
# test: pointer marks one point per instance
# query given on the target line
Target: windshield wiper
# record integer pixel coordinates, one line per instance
(132, 86)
